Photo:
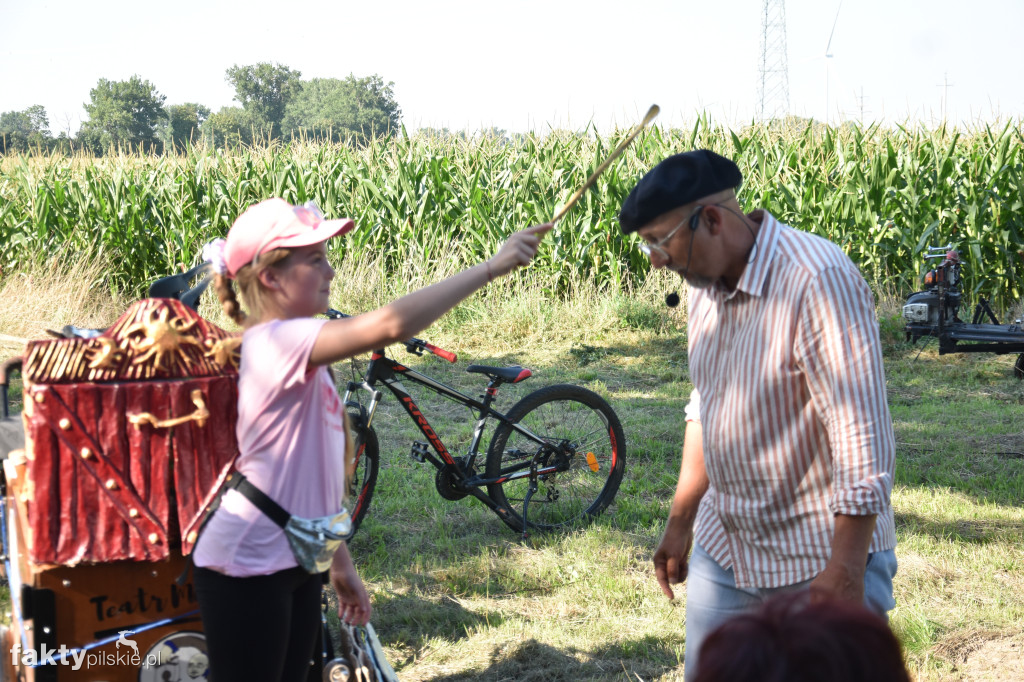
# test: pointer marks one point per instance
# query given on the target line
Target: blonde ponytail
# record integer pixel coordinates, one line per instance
(249, 287)
(228, 300)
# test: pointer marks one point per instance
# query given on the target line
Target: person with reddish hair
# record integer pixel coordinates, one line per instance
(791, 639)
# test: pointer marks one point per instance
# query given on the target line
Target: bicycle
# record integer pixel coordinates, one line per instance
(588, 448)
(560, 447)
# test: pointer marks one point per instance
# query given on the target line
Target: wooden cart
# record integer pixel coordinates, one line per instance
(127, 437)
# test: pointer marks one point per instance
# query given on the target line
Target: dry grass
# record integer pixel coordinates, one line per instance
(51, 295)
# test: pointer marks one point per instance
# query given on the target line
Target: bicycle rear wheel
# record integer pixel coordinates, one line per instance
(582, 437)
(361, 485)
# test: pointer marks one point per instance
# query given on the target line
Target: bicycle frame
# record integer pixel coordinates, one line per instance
(389, 372)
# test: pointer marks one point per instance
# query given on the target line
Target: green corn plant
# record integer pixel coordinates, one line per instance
(882, 194)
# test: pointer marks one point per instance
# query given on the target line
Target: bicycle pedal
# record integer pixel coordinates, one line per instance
(419, 451)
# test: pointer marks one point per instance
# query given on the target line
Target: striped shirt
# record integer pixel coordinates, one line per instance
(790, 392)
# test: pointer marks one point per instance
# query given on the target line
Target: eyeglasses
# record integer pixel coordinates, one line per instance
(658, 247)
(309, 214)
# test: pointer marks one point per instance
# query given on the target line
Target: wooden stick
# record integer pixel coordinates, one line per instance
(651, 113)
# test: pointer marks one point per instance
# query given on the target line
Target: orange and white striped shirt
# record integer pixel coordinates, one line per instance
(790, 392)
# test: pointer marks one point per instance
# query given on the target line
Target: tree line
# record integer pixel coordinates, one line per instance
(275, 103)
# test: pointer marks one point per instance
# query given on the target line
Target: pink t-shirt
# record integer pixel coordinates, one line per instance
(291, 441)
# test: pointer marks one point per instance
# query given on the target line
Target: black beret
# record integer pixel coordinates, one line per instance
(675, 182)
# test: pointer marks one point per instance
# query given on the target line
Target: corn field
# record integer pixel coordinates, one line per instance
(882, 194)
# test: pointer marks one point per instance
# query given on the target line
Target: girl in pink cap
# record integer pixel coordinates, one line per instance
(260, 608)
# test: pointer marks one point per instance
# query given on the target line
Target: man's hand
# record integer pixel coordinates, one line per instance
(843, 577)
(841, 581)
(671, 559)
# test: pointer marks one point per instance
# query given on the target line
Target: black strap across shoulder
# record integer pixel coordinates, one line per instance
(273, 510)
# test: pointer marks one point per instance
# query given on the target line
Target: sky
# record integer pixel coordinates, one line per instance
(535, 64)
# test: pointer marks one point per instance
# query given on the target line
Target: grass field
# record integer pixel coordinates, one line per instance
(457, 595)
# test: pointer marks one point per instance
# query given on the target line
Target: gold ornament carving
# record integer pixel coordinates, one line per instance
(103, 353)
(162, 338)
(200, 415)
(225, 352)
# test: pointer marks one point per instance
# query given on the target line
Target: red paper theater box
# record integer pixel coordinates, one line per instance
(128, 436)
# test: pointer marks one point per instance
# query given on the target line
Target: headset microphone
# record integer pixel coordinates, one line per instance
(672, 298)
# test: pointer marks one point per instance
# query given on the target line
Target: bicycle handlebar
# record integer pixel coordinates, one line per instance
(413, 345)
(440, 352)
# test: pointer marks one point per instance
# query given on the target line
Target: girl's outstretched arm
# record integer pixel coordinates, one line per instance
(403, 318)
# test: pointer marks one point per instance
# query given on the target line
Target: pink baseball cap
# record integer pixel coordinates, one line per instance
(274, 224)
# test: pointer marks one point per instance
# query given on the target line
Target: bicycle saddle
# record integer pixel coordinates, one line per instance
(512, 375)
(180, 286)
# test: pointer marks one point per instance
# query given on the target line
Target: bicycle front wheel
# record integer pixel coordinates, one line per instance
(361, 485)
(581, 438)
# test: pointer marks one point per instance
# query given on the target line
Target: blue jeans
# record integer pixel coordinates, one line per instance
(713, 598)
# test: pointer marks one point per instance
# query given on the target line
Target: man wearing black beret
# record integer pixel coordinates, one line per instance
(788, 452)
